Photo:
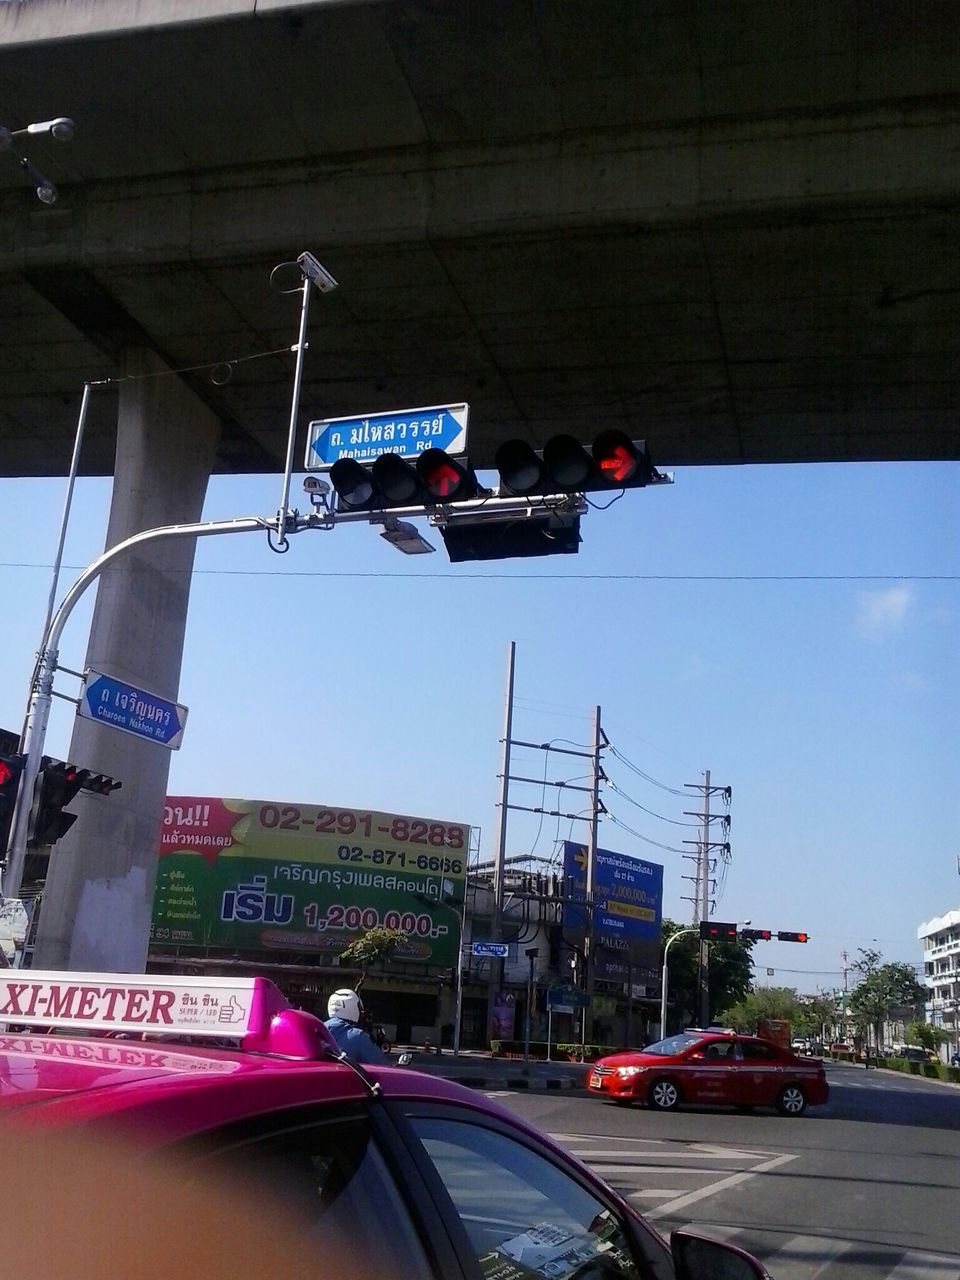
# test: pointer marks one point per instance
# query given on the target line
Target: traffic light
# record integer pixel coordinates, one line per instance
(57, 784)
(563, 465)
(716, 931)
(756, 935)
(11, 767)
(536, 533)
(392, 481)
(792, 937)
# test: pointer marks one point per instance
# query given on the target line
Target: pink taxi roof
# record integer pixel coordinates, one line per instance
(150, 1080)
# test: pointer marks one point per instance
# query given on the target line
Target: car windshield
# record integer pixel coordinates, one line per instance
(674, 1044)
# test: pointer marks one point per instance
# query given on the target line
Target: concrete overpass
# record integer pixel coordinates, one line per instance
(726, 226)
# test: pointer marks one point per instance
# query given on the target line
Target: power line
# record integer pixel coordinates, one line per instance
(646, 776)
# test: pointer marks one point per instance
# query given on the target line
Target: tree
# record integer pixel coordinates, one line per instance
(883, 990)
(925, 1035)
(376, 946)
(730, 974)
(779, 1003)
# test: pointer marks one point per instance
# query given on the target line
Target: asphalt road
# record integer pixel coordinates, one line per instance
(863, 1188)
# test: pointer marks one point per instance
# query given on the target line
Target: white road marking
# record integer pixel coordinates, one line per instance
(651, 1194)
(806, 1257)
(925, 1266)
(734, 1180)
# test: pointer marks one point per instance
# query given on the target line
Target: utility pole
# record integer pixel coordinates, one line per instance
(496, 966)
(702, 879)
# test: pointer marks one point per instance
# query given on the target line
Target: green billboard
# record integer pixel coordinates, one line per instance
(263, 875)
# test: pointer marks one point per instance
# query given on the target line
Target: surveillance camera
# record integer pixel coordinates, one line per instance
(313, 484)
(312, 269)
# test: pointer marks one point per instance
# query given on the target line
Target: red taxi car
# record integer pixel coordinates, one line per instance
(391, 1172)
(706, 1067)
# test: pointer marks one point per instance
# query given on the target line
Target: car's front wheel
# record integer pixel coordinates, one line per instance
(791, 1101)
(664, 1095)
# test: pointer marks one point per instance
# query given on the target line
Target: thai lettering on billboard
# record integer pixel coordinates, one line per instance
(627, 911)
(262, 875)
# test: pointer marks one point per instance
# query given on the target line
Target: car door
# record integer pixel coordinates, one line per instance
(759, 1074)
(524, 1212)
(710, 1073)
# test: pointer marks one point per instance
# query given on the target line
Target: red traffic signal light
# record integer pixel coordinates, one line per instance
(57, 784)
(392, 481)
(756, 935)
(564, 465)
(11, 767)
(792, 937)
(716, 931)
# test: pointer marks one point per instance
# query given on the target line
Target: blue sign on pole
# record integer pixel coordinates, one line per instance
(627, 894)
(130, 708)
(499, 949)
(406, 432)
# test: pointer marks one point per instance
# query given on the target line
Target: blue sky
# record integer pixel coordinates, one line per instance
(792, 629)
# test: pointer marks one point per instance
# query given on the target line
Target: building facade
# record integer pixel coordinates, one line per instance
(941, 973)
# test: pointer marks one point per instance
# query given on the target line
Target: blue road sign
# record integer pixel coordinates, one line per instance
(499, 949)
(132, 709)
(567, 997)
(407, 432)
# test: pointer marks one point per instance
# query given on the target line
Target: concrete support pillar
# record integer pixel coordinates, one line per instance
(97, 906)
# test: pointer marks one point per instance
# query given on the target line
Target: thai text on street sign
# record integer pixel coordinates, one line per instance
(406, 432)
(132, 709)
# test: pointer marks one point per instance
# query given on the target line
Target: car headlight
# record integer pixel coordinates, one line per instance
(630, 1071)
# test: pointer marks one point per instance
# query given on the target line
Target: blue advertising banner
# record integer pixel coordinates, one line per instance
(627, 911)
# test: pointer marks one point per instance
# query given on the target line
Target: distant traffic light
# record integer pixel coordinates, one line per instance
(564, 465)
(11, 767)
(58, 782)
(792, 937)
(756, 935)
(392, 481)
(716, 931)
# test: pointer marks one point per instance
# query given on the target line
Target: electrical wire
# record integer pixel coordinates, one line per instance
(646, 839)
(675, 821)
(675, 791)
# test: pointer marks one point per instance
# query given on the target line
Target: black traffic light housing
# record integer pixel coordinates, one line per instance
(756, 935)
(58, 782)
(11, 767)
(391, 481)
(563, 465)
(783, 936)
(717, 931)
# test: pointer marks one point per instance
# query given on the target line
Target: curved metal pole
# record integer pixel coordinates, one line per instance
(663, 986)
(41, 694)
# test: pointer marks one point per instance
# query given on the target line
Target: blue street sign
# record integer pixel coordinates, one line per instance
(407, 432)
(132, 709)
(499, 949)
(568, 998)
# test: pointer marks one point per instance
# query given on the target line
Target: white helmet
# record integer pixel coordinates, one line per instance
(345, 1004)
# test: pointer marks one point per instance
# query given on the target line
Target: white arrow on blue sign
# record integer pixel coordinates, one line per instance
(132, 709)
(406, 432)
(499, 949)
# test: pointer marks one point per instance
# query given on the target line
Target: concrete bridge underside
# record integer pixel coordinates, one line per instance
(726, 226)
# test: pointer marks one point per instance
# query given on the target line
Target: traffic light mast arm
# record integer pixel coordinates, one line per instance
(41, 695)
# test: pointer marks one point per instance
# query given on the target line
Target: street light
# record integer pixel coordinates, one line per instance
(663, 986)
(61, 129)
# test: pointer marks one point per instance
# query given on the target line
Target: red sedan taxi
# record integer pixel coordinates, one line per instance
(705, 1067)
(386, 1171)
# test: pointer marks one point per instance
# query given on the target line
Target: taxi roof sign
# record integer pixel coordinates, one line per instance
(251, 1010)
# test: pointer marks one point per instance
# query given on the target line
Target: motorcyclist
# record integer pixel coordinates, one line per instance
(345, 1010)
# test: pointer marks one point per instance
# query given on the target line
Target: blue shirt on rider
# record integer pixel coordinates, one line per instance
(354, 1041)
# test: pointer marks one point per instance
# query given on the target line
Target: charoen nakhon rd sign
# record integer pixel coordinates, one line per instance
(266, 875)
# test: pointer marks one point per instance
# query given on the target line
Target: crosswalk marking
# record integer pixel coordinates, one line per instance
(807, 1257)
(734, 1180)
(925, 1266)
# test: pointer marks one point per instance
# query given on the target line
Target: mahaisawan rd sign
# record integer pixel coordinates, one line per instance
(263, 875)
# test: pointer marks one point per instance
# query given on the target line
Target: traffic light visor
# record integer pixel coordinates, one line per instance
(396, 480)
(567, 463)
(519, 466)
(443, 478)
(353, 484)
(617, 459)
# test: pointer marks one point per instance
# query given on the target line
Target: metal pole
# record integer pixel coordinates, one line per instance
(588, 940)
(532, 953)
(41, 695)
(458, 1013)
(294, 410)
(703, 967)
(496, 966)
(663, 982)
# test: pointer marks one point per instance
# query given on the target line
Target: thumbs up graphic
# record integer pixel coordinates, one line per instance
(232, 1012)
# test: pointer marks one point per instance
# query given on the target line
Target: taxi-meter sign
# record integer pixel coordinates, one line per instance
(231, 1007)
